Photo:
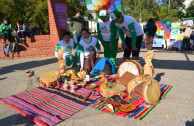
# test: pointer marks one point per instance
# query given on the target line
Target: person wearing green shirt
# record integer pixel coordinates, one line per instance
(134, 34)
(5, 30)
(107, 34)
(89, 49)
(70, 48)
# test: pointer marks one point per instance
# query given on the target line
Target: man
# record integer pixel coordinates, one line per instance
(75, 26)
(22, 31)
(69, 47)
(107, 34)
(5, 30)
(186, 39)
(134, 34)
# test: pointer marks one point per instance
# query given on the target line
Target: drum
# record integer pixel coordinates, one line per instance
(110, 89)
(144, 86)
(130, 66)
(48, 79)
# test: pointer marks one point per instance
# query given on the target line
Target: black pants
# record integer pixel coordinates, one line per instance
(186, 42)
(128, 41)
(6, 36)
(22, 34)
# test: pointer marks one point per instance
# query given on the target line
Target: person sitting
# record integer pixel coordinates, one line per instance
(70, 49)
(22, 31)
(5, 30)
(87, 48)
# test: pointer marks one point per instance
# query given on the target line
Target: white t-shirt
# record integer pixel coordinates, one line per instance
(124, 26)
(105, 28)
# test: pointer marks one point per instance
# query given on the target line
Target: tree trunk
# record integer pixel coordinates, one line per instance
(140, 16)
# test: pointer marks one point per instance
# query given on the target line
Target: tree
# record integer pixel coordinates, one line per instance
(190, 10)
(33, 12)
(73, 5)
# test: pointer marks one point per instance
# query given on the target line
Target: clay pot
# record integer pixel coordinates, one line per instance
(29, 73)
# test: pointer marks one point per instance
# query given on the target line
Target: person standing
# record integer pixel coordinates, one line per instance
(150, 30)
(186, 39)
(70, 49)
(5, 30)
(161, 33)
(134, 34)
(75, 25)
(107, 34)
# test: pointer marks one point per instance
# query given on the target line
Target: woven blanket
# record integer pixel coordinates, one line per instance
(140, 112)
(48, 106)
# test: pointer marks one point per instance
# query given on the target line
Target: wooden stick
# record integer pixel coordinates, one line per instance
(87, 96)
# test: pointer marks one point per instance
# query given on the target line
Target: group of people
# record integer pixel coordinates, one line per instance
(85, 47)
(6, 31)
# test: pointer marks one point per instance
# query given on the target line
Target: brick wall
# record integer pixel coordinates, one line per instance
(39, 45)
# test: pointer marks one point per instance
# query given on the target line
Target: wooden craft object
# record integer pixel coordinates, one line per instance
(114, 89)
(87, 96)
(62, 66)
(49, 79)
(126, 78)
(130, 66)
(145, 86)
(120, 106)
(148, 67)
(104, 78)
(110, 107)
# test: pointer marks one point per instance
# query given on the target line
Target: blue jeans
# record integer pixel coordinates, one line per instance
(76, 37)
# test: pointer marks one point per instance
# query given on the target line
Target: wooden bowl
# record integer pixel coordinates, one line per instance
(29, 73)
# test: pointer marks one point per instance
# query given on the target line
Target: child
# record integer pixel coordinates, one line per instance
(69, 47)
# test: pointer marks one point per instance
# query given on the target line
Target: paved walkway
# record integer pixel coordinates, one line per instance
(175, 69)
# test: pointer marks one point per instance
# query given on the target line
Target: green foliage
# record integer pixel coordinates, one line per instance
(33, 12)
(73, 5)
(142, 10)
(190, 10)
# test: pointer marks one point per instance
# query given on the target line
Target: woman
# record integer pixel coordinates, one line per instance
(87, 49)
(150, 30)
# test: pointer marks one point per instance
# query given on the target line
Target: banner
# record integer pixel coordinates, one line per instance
(166, 27)
(61, 14)
(188, 22)
(98, 5)
(175, 30)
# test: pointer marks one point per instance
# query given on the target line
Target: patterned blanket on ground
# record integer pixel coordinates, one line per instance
(140, 112)
(48, 106)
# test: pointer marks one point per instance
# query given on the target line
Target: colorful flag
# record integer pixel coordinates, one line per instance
(97, 5)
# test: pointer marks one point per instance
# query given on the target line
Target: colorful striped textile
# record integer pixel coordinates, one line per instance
(61, 15)
(140, 112)
(48, 106)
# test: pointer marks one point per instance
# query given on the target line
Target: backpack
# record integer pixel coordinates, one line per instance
(6, 50)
